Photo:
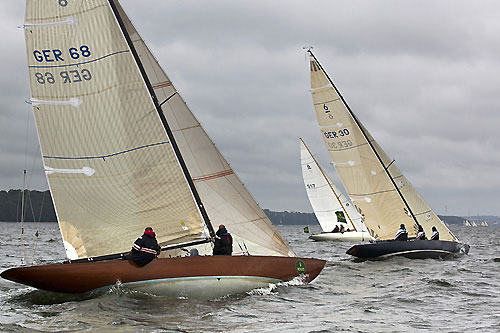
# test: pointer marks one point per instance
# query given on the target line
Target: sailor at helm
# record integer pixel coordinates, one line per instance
(435, 233)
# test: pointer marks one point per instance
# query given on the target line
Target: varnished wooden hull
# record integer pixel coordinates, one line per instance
(186, 276)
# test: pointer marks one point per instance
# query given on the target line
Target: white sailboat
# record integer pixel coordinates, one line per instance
(122, 151)
(374, 183)
(467, 223)
(484, 224)
(332, 209)
(473, 224)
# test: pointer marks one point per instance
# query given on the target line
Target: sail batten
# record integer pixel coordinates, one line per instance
(372, 179)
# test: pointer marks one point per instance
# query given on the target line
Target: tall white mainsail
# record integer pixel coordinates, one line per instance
(330, 205)
(224, 196)
(377, 187)
(110, 164)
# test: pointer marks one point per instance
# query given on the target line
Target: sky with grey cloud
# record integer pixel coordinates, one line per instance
(422, 76)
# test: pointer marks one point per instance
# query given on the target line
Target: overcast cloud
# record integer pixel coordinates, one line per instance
(423, 77)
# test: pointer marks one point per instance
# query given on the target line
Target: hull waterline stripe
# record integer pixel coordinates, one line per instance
(189, 278)
(105, 156)
(79, 63)
(414, 251)
(194, 278)
(210, 277)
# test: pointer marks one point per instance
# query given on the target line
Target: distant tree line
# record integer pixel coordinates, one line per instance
(38, 206)
(310, 219)
(295, 218)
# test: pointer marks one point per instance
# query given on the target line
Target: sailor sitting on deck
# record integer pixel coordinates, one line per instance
(145, 248)
(223, 242)
(421, 233)
(435, 233)
(402, 234)
(336, 229)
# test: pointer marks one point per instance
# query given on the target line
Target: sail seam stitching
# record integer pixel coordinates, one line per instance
(80, 63)
(379, 192)
(333, 100)
(105, 156)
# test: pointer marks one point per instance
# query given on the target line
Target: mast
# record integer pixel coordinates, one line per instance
(330, 185)
(164, 121)
(386, 169)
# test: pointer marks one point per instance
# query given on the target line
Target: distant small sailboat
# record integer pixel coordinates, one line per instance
(474, 224)
(484, 224)
(374, 183)
(467, 223)
(122, 151)
(337, 216)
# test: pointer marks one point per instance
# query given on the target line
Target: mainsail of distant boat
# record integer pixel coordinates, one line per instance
(374, 183)
(484, 224)
(332, 209)
(121, 152)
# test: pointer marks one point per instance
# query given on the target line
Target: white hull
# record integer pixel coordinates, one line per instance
(200, 287)
(351, 236)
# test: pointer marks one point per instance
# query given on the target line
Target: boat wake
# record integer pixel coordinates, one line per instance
(271, 289)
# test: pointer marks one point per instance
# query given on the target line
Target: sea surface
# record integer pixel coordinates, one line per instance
(395, 295)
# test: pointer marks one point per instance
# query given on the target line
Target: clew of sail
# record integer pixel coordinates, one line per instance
(137, 179)
(224, 196)
(376, 186)
(330, 205)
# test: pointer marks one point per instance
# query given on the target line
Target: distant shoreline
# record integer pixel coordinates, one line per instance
(41, 202)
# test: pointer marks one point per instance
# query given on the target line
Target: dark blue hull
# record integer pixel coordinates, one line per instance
(420, 249)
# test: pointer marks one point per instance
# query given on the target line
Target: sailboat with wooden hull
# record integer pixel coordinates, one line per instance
(122, 151)
(381, 193)
(201, 277)
(337, 216)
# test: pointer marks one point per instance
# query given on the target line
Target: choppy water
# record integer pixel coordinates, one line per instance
(399, 294)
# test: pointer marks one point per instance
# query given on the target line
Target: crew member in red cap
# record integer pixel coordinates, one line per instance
(145, 248)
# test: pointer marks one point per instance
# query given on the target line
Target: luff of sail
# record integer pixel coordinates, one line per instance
(114, 130)
(375, 184)
(325, 198)
(224, 196)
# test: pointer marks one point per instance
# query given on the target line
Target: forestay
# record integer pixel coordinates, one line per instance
(376, 186)
(109, 163)
(330, 205)
(224, 196)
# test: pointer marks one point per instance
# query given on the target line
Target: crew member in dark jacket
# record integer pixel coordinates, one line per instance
(421, 233)
(435, 233)
(223, 242)
(402, 234)
(145, 248)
